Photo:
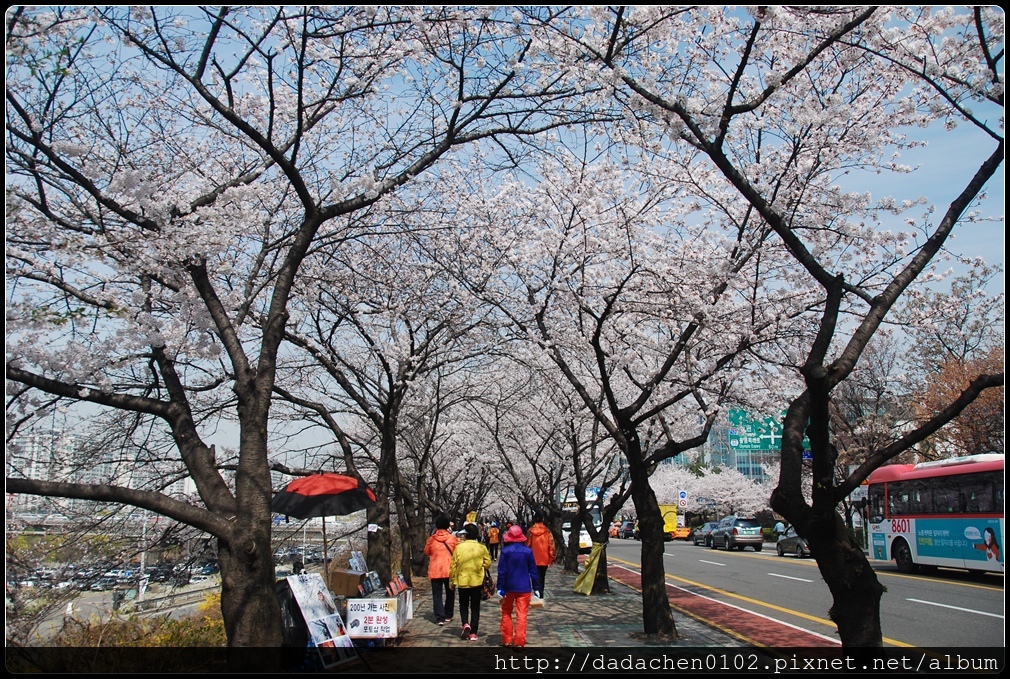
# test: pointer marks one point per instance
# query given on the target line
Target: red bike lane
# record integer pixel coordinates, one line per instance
(748, 627)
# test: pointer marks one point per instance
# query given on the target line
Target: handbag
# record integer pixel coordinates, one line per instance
(487, 588)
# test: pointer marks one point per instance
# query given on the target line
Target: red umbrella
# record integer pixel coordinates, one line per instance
(323, 495)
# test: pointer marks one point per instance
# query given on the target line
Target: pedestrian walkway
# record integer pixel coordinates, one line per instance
(571, 620)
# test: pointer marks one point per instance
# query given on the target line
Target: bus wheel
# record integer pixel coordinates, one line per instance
(903, 557)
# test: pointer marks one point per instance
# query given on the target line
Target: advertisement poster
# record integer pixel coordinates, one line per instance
(973, 540)
(327, 632)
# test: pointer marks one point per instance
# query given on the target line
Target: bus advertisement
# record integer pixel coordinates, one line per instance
(944, 513)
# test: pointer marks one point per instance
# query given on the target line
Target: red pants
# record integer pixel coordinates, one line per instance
(521, 602)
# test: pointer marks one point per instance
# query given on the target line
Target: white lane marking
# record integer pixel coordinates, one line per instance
(956, 608)
(714, 563)
(789, 577)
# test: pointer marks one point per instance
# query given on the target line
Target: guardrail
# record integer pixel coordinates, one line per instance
(171, 601)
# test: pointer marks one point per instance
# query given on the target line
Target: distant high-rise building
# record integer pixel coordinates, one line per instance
(45, 454)
(61, 456)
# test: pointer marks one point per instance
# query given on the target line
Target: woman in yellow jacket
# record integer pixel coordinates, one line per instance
(466, 573)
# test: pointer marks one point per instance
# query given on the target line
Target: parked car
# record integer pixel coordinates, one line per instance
(737, 532)
(627, 530)
(161, 574)
(702, 535)
(791, 543)
(103, 583)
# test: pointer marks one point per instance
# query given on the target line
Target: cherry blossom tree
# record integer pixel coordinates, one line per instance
(186, 186)
(962, 321)
(169, 170)
(644, 311)
(872, 407)
(550, 450)
(368, 321)
(956, 335)
(443, 465)
(788, 106)
(736, 493)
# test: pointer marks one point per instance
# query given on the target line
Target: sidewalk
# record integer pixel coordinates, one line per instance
(571, 620)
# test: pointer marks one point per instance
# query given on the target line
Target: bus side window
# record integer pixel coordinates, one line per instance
(980, 492)
(993, 500)
(920, 500)
(947, 496)
(897, 499)
(972, 493)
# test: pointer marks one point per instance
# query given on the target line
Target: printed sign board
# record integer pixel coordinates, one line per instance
(327, 632)
(375, 618)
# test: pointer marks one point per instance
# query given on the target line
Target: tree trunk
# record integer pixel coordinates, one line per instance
(571, 550)
(657, 616)
(601, 585)
(855, 590)
(418, 561)
(380, 543)
(249, 607)
(568, 557)
(417, 535)
(413, 534)
(854, 587)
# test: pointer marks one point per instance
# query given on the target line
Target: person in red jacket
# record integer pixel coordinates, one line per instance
(541, 541)
(439, 549)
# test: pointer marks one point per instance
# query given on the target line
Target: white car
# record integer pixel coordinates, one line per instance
(585, 542)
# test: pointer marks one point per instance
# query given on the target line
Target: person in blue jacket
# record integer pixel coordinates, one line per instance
(517, 580)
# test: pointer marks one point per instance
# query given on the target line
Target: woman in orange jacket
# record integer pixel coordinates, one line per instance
(439, 549)
(541, 541)
(493, 541)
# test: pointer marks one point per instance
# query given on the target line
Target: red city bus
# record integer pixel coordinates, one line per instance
(943, 513)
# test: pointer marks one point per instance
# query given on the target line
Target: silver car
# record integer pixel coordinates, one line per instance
(737, 532)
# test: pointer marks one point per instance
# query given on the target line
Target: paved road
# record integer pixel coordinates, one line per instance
(951, 608)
